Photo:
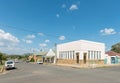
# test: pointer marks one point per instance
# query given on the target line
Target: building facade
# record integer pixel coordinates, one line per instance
(50, 56)
(81, 52)
(112, 58)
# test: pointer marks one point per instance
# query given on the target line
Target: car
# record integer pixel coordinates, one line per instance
(39, 62)
(16, 61)
(9, 64)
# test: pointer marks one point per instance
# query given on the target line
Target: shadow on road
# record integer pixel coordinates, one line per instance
(11, 69)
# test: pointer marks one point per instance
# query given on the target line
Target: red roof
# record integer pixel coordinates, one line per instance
(111, 53)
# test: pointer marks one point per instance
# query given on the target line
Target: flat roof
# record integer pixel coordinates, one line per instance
(82, 41)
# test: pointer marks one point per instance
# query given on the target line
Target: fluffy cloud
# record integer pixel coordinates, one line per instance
(4, 36)
(41, 34)
(27, 41)
(14, 50)
(47, 41)
(7, 42)
(42, 45)
(30, 36)
(62, 38)
(57, 15)
(2, 44)
(7, 39)
(108, 31)
(73, 7)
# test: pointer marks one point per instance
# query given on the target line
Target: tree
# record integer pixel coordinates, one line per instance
(2, 57)
(32, 60)
(116, 48)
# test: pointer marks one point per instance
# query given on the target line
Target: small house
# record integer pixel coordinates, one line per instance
(50, 56)
(112, 58)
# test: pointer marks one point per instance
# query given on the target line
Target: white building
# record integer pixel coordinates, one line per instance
(50, 56)
(112, 58)
(81, 52)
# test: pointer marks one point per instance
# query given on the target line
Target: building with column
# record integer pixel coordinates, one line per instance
(81, 52)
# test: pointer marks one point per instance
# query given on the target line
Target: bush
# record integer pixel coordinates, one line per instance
(32, 60)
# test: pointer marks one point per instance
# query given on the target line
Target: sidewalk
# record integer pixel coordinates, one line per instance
(73, 66)
(88, 65)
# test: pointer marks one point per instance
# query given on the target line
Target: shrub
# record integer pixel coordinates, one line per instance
(32, 60)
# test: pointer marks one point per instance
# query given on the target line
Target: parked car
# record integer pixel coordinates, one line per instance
(9, 64)
(40, 62)
(16, 60)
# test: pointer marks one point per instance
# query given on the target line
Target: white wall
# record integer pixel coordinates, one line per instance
(94, 46)
(82, 46)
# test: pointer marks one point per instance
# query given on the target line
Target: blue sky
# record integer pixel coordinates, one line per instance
(27, 25)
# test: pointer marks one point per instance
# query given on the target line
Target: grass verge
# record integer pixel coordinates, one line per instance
(1, 67)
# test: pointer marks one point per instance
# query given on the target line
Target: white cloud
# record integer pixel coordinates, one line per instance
(14, 50)
(57, 15)
(63, 6)
(2, 44)
(41, 34)
(27, 41)
(73, 7)
(30, 36)
(62, 38)
(42, 45)
(47, 41)
(7, 39)
(7, 42)
(108, 31)
(4, 36)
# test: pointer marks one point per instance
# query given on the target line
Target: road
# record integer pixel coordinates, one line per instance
(34, 73)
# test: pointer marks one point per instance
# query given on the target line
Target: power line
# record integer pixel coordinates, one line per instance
(26, 30)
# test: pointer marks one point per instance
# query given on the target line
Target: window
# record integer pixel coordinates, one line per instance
(88, 55)
(94, 55)
(91, 55)
(97, 55)
(73, 55)
(67, 54)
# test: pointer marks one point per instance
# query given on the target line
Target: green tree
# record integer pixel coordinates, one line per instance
(116, 48)
(1, 55)
(32, 60)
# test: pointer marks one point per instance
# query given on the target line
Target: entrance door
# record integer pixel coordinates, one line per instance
(85, 57)
(113, 60)
(77, 58)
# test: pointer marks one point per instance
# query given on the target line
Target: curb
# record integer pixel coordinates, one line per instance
(89, 66)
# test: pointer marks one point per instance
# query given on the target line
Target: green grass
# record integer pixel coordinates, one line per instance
(1, 66)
